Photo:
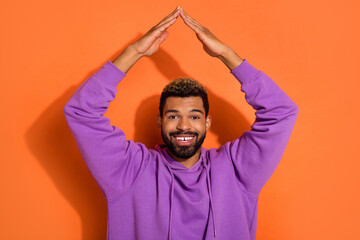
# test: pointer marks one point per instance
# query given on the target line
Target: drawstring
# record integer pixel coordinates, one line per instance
(210, 196)
(171, 199)
(209, 191)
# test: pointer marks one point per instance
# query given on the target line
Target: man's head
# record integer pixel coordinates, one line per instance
(184, 87)
(184, 119)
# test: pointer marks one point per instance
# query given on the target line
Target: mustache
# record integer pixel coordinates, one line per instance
(183, 133)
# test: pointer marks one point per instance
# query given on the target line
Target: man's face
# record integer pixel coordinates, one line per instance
(184, 125)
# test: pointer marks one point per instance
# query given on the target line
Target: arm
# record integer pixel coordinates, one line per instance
(113, 161)
(256, 154)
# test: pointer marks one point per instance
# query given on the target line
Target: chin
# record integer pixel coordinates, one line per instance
(184, 152)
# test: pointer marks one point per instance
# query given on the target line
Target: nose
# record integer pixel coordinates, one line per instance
(184, 124)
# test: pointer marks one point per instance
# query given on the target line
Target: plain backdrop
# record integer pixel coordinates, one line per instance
(48, 48)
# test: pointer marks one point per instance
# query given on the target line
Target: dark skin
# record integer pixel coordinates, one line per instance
(148, 44)
(182, 116)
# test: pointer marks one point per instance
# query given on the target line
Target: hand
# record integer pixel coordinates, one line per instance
(150, 42)
(147, 44)
(212, 46)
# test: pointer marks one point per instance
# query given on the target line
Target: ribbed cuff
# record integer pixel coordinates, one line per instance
(245, 72)
(110, 73)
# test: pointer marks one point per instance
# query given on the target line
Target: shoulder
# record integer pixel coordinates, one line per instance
(219, 155)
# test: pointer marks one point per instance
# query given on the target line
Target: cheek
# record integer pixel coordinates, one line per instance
(168, 127)
(200, 127)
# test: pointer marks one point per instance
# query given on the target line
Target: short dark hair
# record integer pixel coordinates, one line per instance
(184, 87)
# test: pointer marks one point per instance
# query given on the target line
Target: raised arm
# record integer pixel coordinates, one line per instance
(256, 154)
(113, 161)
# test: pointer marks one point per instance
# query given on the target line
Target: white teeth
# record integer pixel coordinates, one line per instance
(184, 138)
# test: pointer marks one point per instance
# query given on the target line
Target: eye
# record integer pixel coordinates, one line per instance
(195, 117)
(173, 117)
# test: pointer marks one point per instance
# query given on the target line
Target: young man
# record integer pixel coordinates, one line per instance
(181, 190)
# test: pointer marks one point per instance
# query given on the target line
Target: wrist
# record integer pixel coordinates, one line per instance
(225, 53)
(131, 54)
(230, 58)
(127, 59)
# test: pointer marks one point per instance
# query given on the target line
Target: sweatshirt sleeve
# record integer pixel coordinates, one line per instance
(257, 152)
(113, 161)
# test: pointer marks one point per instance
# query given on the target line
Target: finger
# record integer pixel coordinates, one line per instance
(190, 23)
(157, 32)
(190, 19)
(170, 19)
(162, 26)
(173, 14)
(166, 25)
(164, 36)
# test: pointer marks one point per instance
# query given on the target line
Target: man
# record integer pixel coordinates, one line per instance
(181, 190)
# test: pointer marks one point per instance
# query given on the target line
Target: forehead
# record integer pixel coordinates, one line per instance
(184, 104)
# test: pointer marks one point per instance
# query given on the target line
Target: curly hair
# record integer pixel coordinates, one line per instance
(184, 87)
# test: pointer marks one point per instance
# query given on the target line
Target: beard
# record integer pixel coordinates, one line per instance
(184, 152)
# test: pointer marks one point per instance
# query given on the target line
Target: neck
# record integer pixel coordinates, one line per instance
(187, 162)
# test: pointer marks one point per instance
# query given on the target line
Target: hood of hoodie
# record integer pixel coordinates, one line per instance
(174, 166)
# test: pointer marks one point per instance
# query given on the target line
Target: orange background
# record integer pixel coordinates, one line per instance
(48, 48)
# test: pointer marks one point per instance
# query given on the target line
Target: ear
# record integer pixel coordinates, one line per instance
(208, 122)
(158, 120)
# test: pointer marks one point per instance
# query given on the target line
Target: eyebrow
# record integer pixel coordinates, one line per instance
(197, 110)
(192, 110)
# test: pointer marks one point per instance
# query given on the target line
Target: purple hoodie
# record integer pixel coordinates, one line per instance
(152, 196)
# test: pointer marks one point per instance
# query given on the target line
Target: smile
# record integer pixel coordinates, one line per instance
(184, 140)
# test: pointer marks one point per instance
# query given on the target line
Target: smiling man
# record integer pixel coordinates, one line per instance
(181, 190)
(184, 119)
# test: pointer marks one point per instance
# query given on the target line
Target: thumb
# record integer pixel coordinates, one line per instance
(164, 36)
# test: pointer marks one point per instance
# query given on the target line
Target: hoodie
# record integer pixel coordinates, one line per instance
(152, 196)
